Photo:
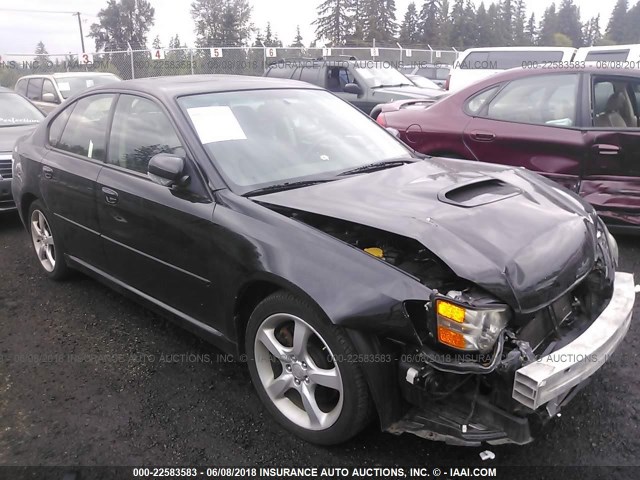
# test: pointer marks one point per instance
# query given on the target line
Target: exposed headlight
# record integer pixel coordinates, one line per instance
(606, 239)
(467, 328)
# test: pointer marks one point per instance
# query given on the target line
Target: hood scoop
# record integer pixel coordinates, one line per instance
(479, 191)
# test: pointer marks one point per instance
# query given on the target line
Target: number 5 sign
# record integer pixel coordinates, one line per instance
(216, 53)
(85, 58)
(157, 54)
(271, 52)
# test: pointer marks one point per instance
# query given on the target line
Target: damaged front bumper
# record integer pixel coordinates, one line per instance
(552, 376)
(498, 411)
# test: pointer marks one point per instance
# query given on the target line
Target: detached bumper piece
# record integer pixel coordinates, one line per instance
(554, 375)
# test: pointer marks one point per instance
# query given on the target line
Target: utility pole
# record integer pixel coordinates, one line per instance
(80, 25)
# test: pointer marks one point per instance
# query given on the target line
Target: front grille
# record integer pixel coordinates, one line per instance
(5, 168)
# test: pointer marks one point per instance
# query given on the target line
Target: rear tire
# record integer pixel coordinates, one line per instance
(305, 372)
(46, 243)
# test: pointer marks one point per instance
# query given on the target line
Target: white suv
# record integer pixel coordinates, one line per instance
(477, 63)
(48, 91)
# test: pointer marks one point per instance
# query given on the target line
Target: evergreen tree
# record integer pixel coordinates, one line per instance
(122, 23)
(569, 22)
(334, 21)
(506, 11)
(222, 22)
(548, 26)
(268, 36)
(430, 24)
(519, 24)
(156, 42)
(445, 25)
(259, 39)
(410, 29)
(485, 36)
(531, 33)
(463, 27)
(632, 33)
(297, 41)
(42, 55)
(495, 26)
(617, 27)
(379, 20)
(591, 32)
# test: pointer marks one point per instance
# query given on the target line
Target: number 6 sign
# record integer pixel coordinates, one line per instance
(271, 52)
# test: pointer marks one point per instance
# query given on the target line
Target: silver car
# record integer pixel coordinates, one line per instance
(48, 91)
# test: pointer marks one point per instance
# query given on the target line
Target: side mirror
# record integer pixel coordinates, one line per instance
(50, 98)
(352, 88)
(166, 169)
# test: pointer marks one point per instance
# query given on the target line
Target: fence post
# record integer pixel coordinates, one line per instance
(191, 62)
(133, 73)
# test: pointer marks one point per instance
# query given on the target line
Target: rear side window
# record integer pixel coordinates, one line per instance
(479, 100)
(614, 55)
(542, 99)
(139, 131)
(34, 89)
(21, 87)
(86, 131)
(310, 75)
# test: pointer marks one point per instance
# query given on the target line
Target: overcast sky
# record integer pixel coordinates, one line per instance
(21, 31)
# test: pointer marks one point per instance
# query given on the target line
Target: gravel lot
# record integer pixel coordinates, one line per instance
(63, 402)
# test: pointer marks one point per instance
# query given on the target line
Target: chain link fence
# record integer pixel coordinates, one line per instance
(128, 64)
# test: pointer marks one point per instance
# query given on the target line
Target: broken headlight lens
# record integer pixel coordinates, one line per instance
(467, 328)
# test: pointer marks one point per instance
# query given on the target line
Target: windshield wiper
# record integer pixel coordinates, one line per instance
(283, 186)
(395, 85)
(372, 167)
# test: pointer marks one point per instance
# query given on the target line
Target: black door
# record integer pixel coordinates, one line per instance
(77, 137)
(156, 239)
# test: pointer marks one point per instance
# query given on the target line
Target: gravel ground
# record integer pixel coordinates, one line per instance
(88, 377)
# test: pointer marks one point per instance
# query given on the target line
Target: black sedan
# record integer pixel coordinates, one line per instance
(453, 299)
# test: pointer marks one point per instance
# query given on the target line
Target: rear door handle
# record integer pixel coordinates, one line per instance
(47, 172)
(483, 136)
(110, 196)
(605, 149)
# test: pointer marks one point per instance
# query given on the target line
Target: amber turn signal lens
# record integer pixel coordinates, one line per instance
(451, 338)
(451, 311)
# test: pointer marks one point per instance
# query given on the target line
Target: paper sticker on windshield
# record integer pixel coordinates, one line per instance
(64, 86)
(89, 83)
(216, 124)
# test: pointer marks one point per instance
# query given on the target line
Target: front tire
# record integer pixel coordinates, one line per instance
(47, 245)
(305, 372)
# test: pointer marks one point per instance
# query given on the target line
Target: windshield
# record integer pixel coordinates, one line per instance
(261, 138)
(71, 85)
(380, 75)
(15, 110)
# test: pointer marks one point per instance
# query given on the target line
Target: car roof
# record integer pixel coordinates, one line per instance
(523, 72)
(519, 49)
(179, 85)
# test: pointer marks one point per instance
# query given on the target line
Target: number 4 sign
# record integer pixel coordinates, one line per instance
(85, 58)
(157, 54)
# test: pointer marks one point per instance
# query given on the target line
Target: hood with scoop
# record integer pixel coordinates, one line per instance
(507, 230)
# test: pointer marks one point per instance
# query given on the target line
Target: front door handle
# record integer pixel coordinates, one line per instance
(110, 196)
(605, 149)
(483, 136)
(47, 172)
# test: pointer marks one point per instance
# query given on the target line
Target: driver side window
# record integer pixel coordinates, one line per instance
(140, 130)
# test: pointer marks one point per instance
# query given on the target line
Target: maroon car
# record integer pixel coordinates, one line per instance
(579, 127)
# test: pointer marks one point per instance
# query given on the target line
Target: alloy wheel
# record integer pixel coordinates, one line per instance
(43, 240)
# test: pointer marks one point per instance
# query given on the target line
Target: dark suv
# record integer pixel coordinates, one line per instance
(364, 83)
